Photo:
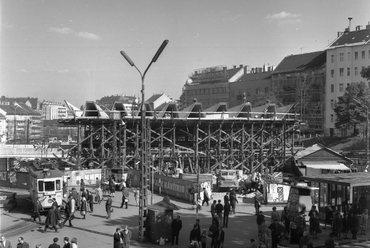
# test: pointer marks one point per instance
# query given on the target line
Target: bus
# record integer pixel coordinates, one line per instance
(46, 184)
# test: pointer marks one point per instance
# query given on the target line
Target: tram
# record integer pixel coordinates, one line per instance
(46, 184)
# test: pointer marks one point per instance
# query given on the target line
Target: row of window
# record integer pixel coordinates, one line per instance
(207, 91)
(341, 71)
(356, 56)
(341, 87)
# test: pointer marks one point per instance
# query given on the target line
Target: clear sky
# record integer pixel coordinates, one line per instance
(69, 50)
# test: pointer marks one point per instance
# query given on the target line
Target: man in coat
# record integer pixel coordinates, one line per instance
(126, 237)
(22, 243)
(108, 206)
(219, 209)
(117, 238)
(51, 219)
(176, 226)
(205, 197)
(226, 214)
(5, 243)
(36, 210)
(66, 243)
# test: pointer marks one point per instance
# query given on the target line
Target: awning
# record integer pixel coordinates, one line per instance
(325, 165)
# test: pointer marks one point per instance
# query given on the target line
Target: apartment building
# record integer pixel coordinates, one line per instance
(345, 56)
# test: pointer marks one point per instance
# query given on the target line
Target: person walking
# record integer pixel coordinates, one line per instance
(355, 224)
(220, 237)
(108, 206)
(136, 196)
(226, 214)
(203, 238)
(22, 243)
(66, 243)
(97, 182)
(5, 243)
(275, 233)
(213, 233)
(126, 237)
(257, 204)
(83, 209)
(117, 239)
(37, 209)
(285, 219)
(98, 195)
(58, 214)
(233, 201)
(274, 215)
(263, 234)
(364, 221)
(13, 202)
(112, 186)
(226, 198)
(176, 226)
(68, 211)
(125, 195)
(194, 237)
(82, 185)
(219, 209)
(260, 218)
(90, 201)
(54, 244)
(213, 211)
(51, 219)
(205, 197)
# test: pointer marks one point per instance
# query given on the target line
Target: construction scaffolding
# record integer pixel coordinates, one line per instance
(243, 137)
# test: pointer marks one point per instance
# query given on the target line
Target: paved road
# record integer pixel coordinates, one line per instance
(97, 232)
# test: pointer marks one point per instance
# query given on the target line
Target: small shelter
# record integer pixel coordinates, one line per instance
(160, 216)
(318, 159)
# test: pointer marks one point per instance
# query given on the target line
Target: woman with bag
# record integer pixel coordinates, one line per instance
(83, 208)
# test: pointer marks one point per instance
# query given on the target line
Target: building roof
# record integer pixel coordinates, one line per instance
(215, 74)
(33, 100)
(22, 109)
(301, 62)
(319, 152)
(348, 179)
(255, 76)
(350, 38)
(154, 97)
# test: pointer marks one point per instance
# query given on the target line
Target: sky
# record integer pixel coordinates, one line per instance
(70, 50)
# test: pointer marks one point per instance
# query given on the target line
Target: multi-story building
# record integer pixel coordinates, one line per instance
(157, 101)
(300, 80)
(31, 102)
(345, 56)
(23, 124)
(210, 85)
(256, 83)
(53, 110)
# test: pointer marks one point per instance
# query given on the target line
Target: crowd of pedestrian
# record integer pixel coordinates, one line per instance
(4, 243)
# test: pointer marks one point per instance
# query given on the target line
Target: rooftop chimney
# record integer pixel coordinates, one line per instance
(241, 66)
(349, 24)
(358, 27)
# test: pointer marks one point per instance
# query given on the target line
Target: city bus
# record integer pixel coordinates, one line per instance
(46, 184)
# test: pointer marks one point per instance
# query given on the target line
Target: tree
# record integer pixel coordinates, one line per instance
(262, 98)
(365, 72)
(349, 113)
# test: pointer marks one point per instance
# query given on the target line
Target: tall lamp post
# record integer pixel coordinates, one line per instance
(144, 156)
(362, 104)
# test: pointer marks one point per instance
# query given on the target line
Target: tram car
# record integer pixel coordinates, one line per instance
(46, 184)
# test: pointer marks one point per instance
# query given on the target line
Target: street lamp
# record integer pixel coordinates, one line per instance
(144, 163)
(362, 104)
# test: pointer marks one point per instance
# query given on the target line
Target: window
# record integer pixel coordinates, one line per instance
(356, 71)
(331, 118)
(356, 55)
(41, 185)
(363, 54)
(332, 103)
(348, 71)
(341, 87)
(332, 88)
(58, 184)
(332, 73)
(341, 72)
(332, 58)
(348, 56)
(341, 56)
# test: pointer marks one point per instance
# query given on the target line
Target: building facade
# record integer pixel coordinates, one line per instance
(300, 80)
(255, 83)
(210, 86)
(346, 56)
